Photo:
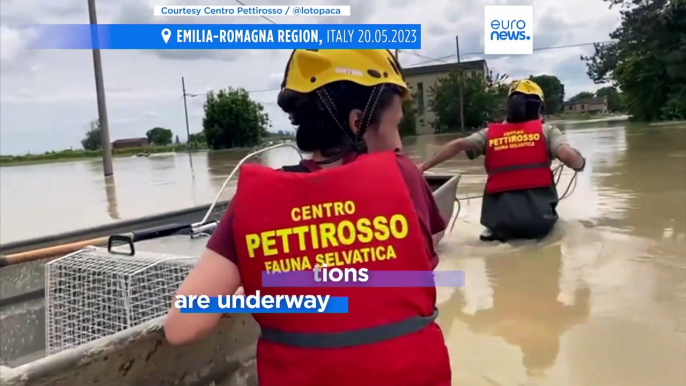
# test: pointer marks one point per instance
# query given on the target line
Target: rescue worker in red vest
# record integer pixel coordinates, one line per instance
(278, 222)
(520, 197)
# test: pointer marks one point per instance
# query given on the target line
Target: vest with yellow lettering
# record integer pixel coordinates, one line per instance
(359, 215)
(516, 157)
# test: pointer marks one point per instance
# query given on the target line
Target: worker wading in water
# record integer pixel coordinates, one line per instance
(520, 198)
(340, 208)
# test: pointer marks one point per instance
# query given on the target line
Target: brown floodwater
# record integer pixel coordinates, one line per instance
(601, 302)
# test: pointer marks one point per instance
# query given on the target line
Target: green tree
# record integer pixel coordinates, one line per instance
(92, 140)
(159, 136)
(647, 58)
(581, 96)
(614, 100)
(197, 138)
(408, 125)
(484, 101)
(553, 92)
(232, 119)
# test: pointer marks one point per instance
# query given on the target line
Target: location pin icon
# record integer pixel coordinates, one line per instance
(166, 34)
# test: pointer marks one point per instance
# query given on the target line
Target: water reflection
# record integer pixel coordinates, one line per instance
(518, 297)
(190, 161)
(535, 314)
(593, 201)
(595, 306)
(111, 191)
(220, 164)
(656, 206)
(635, 336)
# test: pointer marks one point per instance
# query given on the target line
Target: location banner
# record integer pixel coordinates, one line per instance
(225, 36)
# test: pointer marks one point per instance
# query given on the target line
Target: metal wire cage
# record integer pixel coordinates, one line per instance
(91, 293)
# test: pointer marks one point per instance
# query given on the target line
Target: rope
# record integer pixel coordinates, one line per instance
(557, 175)
(257, 150)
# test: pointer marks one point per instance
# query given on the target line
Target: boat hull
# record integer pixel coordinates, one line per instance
(141, 356)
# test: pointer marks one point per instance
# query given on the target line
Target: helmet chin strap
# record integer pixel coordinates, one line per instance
(330, 106)
(355, 139)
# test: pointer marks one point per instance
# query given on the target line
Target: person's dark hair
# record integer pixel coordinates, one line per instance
(523, 108)
(317, 129)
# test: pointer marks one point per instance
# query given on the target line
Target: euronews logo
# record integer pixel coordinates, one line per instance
(508, 30)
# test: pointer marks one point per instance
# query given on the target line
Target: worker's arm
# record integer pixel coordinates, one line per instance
(214, 275)
(571, 157)
(561, 150)
(475, 143)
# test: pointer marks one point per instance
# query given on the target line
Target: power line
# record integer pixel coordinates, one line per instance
(442, 58)
(197, 94)
(264, 90)
(277, 89)
(430, 59)
(271, 21)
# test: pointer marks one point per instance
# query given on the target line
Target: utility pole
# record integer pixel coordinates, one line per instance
(185, 108)
(100, 91)
(457, 44)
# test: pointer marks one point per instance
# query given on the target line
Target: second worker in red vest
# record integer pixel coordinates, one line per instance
(520, 197)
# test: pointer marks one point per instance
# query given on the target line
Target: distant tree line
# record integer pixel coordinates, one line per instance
(92, 140)
(157, 136)
(554, 92)
(615, 102)
(483, 100)
(232, 119)
(281, 134)
(647, 59)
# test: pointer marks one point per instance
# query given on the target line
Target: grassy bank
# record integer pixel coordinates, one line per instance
(74, 155)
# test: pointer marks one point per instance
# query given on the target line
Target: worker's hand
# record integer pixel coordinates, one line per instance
(421, 166)
(240, 292)
(581, 169)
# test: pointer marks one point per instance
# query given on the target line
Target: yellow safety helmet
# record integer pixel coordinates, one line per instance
(526, 87)
(308, 70)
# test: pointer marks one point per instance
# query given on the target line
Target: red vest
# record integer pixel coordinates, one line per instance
(517, 157)
(368, 191)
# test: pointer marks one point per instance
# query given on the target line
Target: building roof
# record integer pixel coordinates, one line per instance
(125, 141)
(443, 68)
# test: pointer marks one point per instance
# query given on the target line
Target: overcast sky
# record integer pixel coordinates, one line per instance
(48, 97)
